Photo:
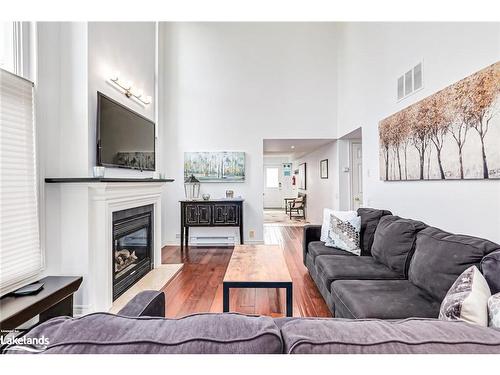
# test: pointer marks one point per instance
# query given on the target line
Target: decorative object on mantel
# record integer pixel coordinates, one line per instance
(302, 176)
(229, 194)
(192, 188)
(221, 166)
(323, 169)
(206, 197)
(128, 89)
(452, 134)
(99, 171)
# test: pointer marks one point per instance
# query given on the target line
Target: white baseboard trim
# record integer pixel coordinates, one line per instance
(177, 243)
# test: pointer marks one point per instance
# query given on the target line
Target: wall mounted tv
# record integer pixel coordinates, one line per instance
(125, 139)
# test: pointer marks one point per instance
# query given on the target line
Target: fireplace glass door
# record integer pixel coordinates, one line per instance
(132, 247)
(130, 250)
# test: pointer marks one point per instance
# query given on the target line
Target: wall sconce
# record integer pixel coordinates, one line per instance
(129, 91)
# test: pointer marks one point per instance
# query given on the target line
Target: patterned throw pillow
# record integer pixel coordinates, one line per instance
(494, 311)
(344, 231)
(467, 299)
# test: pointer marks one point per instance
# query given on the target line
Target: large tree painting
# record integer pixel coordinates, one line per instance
(452, 134)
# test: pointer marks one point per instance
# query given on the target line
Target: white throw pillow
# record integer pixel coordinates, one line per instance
(494, 311)
(467, 299)
(344, 231)
(325, 226)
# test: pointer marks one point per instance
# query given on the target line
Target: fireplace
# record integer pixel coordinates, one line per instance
(132, 247)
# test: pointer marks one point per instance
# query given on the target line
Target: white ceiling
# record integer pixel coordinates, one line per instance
(293, 147)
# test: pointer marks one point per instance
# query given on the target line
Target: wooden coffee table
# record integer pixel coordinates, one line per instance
(257, 266)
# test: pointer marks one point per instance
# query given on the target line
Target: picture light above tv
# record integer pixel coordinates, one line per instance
(125, 139)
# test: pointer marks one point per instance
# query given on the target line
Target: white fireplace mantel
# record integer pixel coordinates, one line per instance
(80, 240)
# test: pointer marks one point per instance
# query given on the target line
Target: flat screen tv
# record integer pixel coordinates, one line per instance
(125, 139)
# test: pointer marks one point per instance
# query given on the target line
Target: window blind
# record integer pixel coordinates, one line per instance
(20, 253)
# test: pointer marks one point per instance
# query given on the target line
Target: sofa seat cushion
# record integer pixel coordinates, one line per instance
(440, 257)
(317, 248)
(339, 267)
(382, 299)
(193, 334)
(367, 336)
(394, 242)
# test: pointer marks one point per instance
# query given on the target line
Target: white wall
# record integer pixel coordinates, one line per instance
(372, 56)
(320, 192)
(227, 86)
(128, 48)
(74, 60)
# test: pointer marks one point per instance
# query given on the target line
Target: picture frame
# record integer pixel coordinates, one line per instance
(218, 166)
(323, 169)
(303, 176)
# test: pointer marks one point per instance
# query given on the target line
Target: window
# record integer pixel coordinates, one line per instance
(410, 82)
(16, 48)
(7, 46)
(20, 252)
(272, 177)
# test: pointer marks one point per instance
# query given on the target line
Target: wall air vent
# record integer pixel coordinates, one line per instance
(410, 82)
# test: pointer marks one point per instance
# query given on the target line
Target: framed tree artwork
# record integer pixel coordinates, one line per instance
(323, 169)
(302, 176)
(453, 134)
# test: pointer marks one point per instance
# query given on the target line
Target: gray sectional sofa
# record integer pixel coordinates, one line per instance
(140, 328)
(404, 272)
(405, 269)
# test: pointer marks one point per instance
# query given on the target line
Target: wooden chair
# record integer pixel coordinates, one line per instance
(298, 205)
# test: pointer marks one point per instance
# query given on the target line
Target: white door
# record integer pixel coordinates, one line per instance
(273, 196)
(356, 175)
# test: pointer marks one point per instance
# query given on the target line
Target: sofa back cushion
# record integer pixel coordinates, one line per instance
(373, 336)
(394, 242)
(194, 334)
(369, 222)
(490, 266)
(440, 257)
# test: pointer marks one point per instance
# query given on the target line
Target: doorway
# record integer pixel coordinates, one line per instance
(273, 186)
(356, 174)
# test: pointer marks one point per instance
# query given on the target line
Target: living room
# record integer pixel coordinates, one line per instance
(182, 187)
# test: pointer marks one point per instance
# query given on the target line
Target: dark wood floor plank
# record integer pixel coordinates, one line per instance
(198, 286)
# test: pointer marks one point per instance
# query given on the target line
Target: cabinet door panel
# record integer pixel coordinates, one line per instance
(191, 214)
(232, 214)
(219, 214)
(204, 214)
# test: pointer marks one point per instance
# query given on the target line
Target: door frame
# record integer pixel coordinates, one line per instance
(351, 170)
(280, 184)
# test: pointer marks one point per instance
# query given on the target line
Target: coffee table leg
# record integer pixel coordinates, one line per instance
(225, 298)
(289, 300)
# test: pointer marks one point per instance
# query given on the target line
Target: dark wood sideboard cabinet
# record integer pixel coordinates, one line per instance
(211, 213)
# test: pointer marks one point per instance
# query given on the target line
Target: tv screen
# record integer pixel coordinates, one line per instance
(125, 139)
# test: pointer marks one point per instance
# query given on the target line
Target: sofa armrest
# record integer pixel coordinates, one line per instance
(311, 233)
(146, 303)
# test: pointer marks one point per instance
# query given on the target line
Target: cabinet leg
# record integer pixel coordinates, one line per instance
(182, 237)
(187, 236)
(241, 234)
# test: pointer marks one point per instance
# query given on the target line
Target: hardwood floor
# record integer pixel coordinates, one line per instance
(198, 286)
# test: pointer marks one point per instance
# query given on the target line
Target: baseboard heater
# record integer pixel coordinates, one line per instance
(212, 240)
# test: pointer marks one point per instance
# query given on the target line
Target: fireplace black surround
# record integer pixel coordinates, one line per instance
(132, 255)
